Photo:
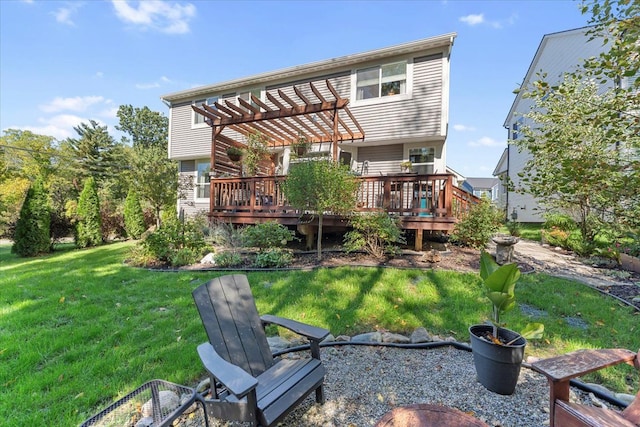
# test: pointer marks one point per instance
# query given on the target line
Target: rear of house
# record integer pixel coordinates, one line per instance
(398, 98)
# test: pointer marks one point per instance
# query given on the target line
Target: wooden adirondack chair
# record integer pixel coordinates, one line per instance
(559, 370)
(247, 383)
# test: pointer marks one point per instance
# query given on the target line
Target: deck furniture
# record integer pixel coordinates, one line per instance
(247, 383)
(560, 370)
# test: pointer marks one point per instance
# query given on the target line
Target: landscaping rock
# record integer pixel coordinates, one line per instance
(168, 402)
(209, 259)
(368, 337)
(395, 338)
(420, 335)
(278, 344)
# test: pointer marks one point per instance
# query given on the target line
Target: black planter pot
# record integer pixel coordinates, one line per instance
(497, 366)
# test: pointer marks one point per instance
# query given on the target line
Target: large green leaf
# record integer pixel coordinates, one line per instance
(533, 331)
(487, 265)
(503, 279)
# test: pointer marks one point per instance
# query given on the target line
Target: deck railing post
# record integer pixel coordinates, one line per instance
(448, 195)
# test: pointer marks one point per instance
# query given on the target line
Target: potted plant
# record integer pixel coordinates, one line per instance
(406, 166)
(498, 352)
(301, 146)
(234, 153)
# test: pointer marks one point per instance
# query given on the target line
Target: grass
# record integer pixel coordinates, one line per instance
(79, 329)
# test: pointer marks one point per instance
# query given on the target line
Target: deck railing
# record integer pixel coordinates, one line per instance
(424, 196)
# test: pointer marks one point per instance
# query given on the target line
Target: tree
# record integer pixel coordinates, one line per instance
(147, 128)
(320, 186)
(32, 235)
(133, 215)
(577, 160)
(95, 154)
(585, 141)
(153, 176)
(89, 225)
(27, 155)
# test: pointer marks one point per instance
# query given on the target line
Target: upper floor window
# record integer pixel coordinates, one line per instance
(247, 96)
(515, 128)
(199, 118)
(383, 80)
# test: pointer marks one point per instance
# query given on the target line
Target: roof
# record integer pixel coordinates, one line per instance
(503, 163)
(315, 68)
(533, 67)
(479, 183)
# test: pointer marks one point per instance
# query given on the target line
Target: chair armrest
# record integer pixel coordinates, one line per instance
(312, 332)
(578, 363)
(234, 378)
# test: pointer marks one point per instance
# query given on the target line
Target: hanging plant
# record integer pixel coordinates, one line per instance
(234, 153)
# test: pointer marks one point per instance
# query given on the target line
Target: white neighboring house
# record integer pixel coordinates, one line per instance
(557, 54)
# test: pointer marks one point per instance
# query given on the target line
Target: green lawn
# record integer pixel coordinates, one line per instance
(79, 329)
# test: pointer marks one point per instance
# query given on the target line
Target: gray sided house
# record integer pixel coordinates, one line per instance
(384, 113)
(557, 54)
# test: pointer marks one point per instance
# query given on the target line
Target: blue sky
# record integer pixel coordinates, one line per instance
(64, 62)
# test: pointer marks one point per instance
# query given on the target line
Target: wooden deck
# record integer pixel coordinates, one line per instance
(422, 202)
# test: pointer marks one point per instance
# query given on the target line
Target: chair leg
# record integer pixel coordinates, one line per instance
(320, 395)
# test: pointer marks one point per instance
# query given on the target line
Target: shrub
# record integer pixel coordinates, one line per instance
(514, 228)
(167, 243)
(133, 215)
(267, 235)
(556, 237)
(273, 258)
(227, 259)
(89, 223)
(32, 235)
(375, 233)
(559, 221)
(476, 226)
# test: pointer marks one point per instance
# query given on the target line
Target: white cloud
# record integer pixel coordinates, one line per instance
(472, 19)
(78, 103)
(478, 19)
(485, 141)
(170, 18)
(99, 75)
(463, 128)
(161, 81)
(63, 14)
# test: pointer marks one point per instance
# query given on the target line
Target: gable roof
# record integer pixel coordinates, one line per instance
(315, 68)
(534, 68)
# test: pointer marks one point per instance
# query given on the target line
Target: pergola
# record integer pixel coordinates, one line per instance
(318, 116)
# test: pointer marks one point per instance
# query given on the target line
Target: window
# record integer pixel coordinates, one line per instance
(247, 96)
(422, 155)
(199, 118)
(202, 179)
(384, 80)
(515, 129)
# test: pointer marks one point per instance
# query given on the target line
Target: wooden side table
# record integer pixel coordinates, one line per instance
(423, 415)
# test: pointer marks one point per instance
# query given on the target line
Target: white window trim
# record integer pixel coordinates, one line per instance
(195, 125)
(197, 199)
(382, 99)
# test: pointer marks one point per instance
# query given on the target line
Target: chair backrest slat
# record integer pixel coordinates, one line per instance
(230, 317)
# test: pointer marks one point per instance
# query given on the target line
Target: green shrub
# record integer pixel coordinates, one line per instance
(267, 235)
(133, 215)
(227, 259)
(514, 228)
(32, 234)
(559, 221)
(476, 226)
(273, 258)
(185, 256)
(165, 243)
(89, 222)
(375, 233)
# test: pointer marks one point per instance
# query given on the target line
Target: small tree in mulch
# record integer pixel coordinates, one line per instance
(476, 226)
(321, 186)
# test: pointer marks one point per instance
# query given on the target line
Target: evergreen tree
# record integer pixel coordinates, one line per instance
(89, 225)
(133, 215)
(33, 227)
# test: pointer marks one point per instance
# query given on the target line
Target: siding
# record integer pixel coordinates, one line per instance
(417, 117)
(413, 118)
(383, 159)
